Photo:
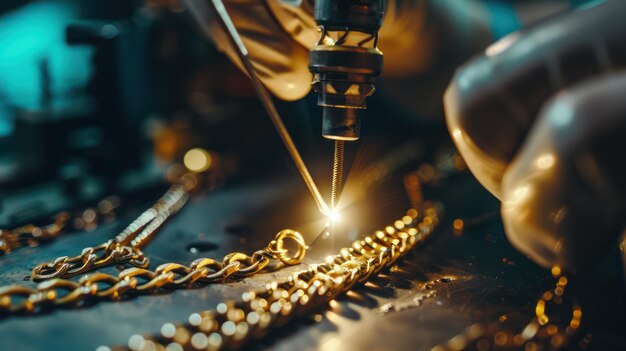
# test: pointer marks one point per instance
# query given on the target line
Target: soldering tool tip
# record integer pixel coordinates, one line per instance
(337, 181)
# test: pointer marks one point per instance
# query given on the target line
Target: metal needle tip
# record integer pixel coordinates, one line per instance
(337, 181)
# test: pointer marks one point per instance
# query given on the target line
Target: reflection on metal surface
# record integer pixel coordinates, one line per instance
(201, 246)
(418, 292)
(234, 323)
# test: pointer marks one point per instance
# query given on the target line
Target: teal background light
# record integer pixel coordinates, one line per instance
(32, 36)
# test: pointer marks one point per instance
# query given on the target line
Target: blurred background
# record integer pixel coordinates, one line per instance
(101, 97)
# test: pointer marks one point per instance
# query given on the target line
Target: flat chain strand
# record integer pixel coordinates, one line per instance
(126, 246)
(234, 323)
(133, 281)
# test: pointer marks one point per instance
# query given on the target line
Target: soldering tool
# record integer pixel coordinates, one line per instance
(345, 63)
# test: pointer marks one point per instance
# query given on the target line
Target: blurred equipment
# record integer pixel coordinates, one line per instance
(100, 98)
(345, 63)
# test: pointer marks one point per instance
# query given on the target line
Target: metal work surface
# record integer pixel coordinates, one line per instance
(439, 290)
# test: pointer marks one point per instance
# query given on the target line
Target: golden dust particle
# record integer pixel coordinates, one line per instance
(318, 318)
(556, 271)
(557, 341)
(547, 296)
(508, 261)
(578, 313)
(458, 226)
(503, 318)
(552, 329)
(197, 160)
(501, 338)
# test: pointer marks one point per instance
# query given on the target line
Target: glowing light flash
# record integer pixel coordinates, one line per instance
(334, 217)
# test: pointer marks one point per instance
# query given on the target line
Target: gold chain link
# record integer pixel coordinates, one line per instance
(56, 291)
(32, 235)
(100, 286)
(234, 323)
(126, 246)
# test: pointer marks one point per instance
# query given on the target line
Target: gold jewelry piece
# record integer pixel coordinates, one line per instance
(126, 246)
(32, 235)
(234, 323)
(100, 286)
(550, 329)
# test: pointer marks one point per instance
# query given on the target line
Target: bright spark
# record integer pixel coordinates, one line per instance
(334, 217)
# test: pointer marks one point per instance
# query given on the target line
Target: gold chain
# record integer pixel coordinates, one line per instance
(126, 246)
(100, 286)
(550, 329)
(32, 235)
(234, 323)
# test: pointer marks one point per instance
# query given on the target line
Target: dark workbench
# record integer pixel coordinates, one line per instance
(485, 277)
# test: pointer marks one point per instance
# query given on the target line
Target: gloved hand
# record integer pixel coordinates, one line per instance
(540, 119)
(279, 34)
